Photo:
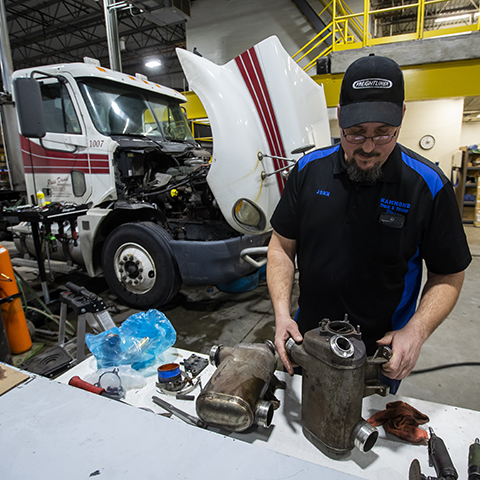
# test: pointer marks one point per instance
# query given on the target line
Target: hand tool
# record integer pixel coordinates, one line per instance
(474, 461)
(415, 472)
(439, 458)
(79, 383)
(186, 417)
(76, 381)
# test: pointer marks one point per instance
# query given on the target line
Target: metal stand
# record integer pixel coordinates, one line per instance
(45, 216)
(90, 308)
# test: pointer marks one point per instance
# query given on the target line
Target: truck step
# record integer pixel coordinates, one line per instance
(55, 266)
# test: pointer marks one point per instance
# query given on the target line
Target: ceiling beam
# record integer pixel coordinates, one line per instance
(422, 82)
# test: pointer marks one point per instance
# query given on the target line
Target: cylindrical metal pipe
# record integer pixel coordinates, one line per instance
(24, 243)
(264, 413)
(5, 51)
(364, 436)
(111, 25)
(8, 114)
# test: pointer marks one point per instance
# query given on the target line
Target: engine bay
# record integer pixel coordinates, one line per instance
(172, 176)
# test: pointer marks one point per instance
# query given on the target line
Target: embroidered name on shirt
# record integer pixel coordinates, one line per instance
(394, 205)
(323, 192)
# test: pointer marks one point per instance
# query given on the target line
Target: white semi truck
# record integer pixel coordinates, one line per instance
(160, 211)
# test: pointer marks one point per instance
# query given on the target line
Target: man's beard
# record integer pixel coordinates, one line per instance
(356, 174)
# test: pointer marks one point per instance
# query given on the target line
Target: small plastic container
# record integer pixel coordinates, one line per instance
(40, 198)
(169, 372)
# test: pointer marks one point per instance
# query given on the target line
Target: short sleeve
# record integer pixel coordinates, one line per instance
(444, 245)
(283, 218)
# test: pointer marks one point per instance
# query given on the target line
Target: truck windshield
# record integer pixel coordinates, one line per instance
(120, 110)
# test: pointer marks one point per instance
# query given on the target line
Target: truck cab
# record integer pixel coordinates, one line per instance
(162, 211)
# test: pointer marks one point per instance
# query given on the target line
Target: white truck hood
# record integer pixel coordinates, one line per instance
(261, 101)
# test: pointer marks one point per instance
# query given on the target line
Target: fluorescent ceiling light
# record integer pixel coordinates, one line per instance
(465, 16)
(153, 63)
(452, 34)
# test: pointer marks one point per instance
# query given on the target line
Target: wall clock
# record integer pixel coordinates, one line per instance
(427, 142)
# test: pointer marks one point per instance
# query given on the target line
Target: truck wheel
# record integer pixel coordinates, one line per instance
(139, 265)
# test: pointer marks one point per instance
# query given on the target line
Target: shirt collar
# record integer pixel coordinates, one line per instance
(392, 168)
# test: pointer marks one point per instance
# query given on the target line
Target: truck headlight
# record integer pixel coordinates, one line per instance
(249, 216)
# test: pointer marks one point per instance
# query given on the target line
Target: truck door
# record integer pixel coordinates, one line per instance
(58, 162)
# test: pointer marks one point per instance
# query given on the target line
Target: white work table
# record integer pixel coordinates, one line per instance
(51, 430)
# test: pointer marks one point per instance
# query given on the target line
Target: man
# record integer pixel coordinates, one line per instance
(361, 217)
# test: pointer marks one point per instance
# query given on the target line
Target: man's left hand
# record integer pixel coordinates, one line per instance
(406, 350)
(439, 296)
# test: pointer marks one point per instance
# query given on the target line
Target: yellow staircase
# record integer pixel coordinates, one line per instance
(348, 30)
(354, 30)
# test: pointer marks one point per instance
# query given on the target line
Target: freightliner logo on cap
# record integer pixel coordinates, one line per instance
(372, 83)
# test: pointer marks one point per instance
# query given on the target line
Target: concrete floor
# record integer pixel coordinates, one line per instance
(454, 342)
(205, 317)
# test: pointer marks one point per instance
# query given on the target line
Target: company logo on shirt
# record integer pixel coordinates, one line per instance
(394, 206)
(323, 192)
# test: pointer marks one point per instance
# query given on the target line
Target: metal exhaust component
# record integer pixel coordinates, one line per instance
(240, 392)
(364, 436)
(336, 376)
(264, 413)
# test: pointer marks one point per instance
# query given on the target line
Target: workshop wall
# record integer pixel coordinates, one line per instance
(223, 29)
(440, 118)
(470, 134)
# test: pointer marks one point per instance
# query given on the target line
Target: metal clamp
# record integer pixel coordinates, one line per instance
(382, 355)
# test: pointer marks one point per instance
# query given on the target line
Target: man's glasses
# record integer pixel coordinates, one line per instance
(377, 139)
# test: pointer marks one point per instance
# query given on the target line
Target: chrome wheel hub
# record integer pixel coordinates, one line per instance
(135, 268)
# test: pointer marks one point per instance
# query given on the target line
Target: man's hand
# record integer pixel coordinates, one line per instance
(286, 328)
(406, 348)
(280, 274)
(439, 296)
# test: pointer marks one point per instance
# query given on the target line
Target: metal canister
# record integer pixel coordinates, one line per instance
(334, 373)
(234, 396)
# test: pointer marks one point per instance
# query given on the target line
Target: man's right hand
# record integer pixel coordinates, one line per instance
(280, 277)
(284, 329)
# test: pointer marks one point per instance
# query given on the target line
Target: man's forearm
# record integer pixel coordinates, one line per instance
(280, 274)
(439, 296)
(438, 299)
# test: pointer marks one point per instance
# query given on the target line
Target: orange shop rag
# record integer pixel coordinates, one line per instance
(402, 420)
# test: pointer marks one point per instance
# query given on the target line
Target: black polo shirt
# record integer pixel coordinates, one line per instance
(360, 246)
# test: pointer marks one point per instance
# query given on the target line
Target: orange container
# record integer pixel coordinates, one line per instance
(12, 312)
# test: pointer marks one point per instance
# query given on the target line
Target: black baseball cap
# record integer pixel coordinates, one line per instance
(372, 91)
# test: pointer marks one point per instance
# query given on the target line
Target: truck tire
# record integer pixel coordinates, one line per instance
(139, 265)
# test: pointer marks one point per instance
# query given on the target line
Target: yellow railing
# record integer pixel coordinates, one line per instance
(349, 30)
(194, 124)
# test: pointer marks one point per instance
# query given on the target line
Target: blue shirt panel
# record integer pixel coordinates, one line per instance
(316, 155)
(431, 177)
(407, 306)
